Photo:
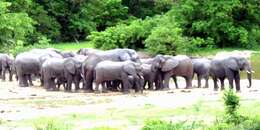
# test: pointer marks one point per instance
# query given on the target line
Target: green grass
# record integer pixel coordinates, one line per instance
(72, 46)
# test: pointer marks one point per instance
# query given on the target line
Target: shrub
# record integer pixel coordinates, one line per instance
(51, 124)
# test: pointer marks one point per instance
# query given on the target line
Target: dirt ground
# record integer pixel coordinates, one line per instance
(15, 102)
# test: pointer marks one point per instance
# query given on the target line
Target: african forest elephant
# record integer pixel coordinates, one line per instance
(114, 70)
(112, 55)
(173, 66)
(229, 67)
(28, 63)
(68, 69)
(201, 67)
(6, 63)
(151, 72)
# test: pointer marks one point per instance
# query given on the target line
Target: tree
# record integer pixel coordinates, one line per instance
(14, 27)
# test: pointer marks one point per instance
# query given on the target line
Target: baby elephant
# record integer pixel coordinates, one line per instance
(111, 70)
(6, 64)
(201, 67)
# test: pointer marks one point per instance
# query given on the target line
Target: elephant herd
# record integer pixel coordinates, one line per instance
(119, 70)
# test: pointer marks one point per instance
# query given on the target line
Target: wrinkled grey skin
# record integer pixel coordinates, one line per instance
(29, 63)
(6, 64)
(173, 66)
(150, 73)
(68, 54)
(64, 70)
(87, 51)
(230, 67)
(112, 70)
(201, 67)
(112, 55)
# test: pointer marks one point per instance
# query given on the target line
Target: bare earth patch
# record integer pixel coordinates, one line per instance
(18, 104)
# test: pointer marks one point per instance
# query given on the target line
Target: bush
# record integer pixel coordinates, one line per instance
(231, 104)
(51, 124)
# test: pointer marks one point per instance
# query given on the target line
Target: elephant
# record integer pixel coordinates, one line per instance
(28, 63)
(116, 70)
(150, 74)
(68, 54)
(6, 63)
(64, 70)
(180, 65)
(112, 55)
(87, 51)
(230, 67)
(201, 67)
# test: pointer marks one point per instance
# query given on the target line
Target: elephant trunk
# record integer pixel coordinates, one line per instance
(249, 77)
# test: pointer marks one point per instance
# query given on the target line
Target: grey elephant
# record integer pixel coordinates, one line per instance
(151, 72)
(29, 63)
(6, 64)
(230, 67)
(68, 54)
(173, 66)
(114, 70)
(112, 55)
(87, 51)
(64, 70)
(201, 67)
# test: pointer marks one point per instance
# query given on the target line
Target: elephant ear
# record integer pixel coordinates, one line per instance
(124, 57)
(232, 64)
(169, 65)
(70, 67)
(129, 69)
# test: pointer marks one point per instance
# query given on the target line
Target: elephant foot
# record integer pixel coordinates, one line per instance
(23, 86)
(215, 89)
(126, 92)
(166, 89)
(189, 87)
(238, 91)
(88, 91)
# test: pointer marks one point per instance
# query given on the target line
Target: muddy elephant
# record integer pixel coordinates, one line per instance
(6, 64)
(230, 67)
(115, 70)
(173, 66)
(201, 67)
(29, 63)
(64, 70)
(112, 55)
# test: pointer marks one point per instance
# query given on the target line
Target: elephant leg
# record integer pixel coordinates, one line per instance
(145, 82)
(199, 80)
(10, 74)
(29, 78)
(215, 80)
(206, 81)
(166, 80)
(222, 80)
(104, 88)
(77, 82)
(230, 76)
(150, 85)
(188, 82)
(89, 82)
(175, 81)
(97, 86)
(3, 73)
(69, 83)
(237, 81)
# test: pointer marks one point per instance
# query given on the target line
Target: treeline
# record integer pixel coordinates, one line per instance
(160, 26)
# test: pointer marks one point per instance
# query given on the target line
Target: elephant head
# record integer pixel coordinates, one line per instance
(130, 55)
(166, 63)
(73, 66)
(241, 63)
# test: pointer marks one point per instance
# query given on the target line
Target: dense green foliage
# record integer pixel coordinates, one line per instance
(160, 26)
